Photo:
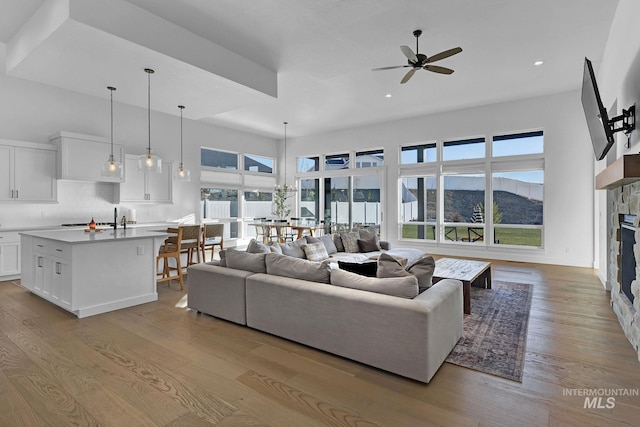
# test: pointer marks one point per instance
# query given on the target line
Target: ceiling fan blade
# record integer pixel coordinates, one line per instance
(408, 75)
(438, 69)
(445, 54)
(409, 53)
(390, 68)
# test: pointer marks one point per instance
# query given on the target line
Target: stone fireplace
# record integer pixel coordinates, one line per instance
(624, 259)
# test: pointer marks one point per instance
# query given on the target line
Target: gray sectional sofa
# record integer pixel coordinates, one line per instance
(389, 326)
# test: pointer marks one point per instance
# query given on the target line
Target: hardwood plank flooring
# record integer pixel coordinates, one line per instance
(163, 364)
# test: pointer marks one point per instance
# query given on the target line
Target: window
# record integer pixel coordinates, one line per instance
(418, 154)
(464, 198)
(258, 164)
(518, 144)
(518, 207)
(336, 161)
(365, 200)
(221, 203)
(472, 193)
(218, 159)
(310, 198)
(308, 164)
(370, 159)
(418, 207)
(464, 149)
(336, 203)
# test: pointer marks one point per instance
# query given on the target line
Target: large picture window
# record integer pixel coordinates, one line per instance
(218, 159)
(481, 191)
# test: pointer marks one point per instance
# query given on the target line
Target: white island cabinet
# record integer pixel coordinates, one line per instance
(91, 273)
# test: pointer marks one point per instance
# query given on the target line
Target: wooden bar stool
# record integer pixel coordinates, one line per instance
(170, 249)
(191, 235)
(212, 236)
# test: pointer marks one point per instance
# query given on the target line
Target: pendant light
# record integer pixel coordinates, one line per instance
(111, 168)
(149, 162)
(288, 189)
(181, 173)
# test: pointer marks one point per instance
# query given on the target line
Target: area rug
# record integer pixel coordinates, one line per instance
(494, 335)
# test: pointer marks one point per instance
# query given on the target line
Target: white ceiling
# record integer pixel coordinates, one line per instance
(221, 68)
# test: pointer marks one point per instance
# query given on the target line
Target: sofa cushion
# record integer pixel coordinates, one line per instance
(296, 268)
(404, 287)
(246, 261)
(315, 251)
(350, 242)
(255, 247)
(423, 269)
(362, 268)
(368, 245)
(327, 240)
(293, 249)
(223, 258)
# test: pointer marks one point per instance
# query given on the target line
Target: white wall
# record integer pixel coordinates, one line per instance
(568, 197)
(619, 85)
(32, 112)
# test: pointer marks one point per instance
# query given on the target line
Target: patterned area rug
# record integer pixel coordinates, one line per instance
(494, 335)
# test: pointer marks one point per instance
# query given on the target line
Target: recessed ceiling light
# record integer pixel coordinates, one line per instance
(538, 63)
(388, 95)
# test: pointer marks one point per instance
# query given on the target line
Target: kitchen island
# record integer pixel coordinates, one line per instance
(89, 273)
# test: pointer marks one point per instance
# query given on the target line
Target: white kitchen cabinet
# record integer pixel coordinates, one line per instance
(80, 157)
(28, 172)
(9, 254)
(52, 271)
(145, 187)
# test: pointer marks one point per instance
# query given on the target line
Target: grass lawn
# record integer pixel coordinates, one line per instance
(503, 235)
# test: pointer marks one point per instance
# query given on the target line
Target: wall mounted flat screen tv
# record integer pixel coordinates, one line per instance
(597, 116)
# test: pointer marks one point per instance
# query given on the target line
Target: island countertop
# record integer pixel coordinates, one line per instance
(75, 236)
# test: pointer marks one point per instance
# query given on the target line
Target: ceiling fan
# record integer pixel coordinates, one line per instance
(417, 60)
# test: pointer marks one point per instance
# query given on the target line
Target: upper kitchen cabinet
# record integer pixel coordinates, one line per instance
(139, 187)
(27, 172)
(80, 157)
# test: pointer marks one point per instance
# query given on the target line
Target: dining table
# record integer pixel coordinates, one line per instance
(299, 227)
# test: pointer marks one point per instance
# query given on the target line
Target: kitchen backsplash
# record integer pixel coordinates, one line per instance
(78, 202)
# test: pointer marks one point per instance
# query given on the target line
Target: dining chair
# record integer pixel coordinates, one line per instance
(170, 249)
(212, 236)
(191, 235)
(259, 229)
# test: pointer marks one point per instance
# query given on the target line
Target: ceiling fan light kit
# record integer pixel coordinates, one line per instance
(417, 60)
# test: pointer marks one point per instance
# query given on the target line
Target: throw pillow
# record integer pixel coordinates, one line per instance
(350, 242)
(293, 249)
(327, 240)
(337, 241)
(255, 247)
(286, 266)
(389, 266)
(315, 251)
(246, 261)
(404, 287)
(364, 269)
(368, 233)
(223, 258)
(369, 245)
(275, 248)
(423, 269)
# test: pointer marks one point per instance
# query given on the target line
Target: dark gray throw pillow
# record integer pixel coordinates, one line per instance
(368, 245)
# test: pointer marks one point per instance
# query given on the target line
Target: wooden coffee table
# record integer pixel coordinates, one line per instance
(469, 272)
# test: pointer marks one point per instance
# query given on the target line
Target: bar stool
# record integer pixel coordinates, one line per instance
(212, 236)
(190, 242)
(170, 249)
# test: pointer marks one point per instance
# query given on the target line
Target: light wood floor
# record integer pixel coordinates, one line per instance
(162, 364)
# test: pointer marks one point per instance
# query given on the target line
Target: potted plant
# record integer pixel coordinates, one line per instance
(280, 207)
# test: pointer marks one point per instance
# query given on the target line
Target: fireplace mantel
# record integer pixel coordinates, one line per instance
(623, 171)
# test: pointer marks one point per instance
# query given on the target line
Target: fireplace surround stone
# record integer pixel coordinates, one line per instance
(625, 201)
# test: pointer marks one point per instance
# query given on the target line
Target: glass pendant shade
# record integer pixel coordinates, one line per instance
(111, 168)
(149, 162)
(181, 173)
